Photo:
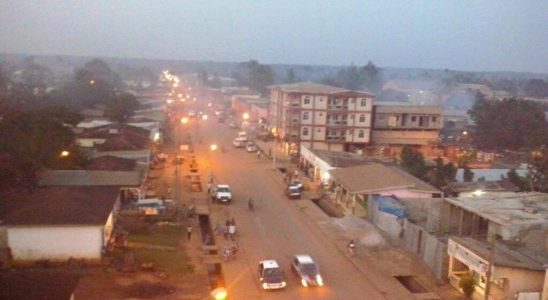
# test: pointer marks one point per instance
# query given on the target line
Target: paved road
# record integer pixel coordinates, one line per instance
(277, 229)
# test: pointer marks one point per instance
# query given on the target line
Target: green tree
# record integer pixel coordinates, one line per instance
(256, 76)
(413, 162)
(32, 141)
(122, 107)
(468, 175)
(371, 77)
(514, 178)
(508, 124)
(466, 283)
(442, 173)
(538, 171)
(291, 78)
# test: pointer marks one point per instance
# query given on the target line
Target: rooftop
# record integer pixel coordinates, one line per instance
(270, 263)
(414, 109)
(304, 258)
(486, 186)
(110, 163)
(89, 178)
(313, 88)
(507, 209)
(342, 159)
(504, 256)
(59, 206)
(375, 177)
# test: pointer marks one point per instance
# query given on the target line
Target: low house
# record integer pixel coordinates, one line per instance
(355, 185)
(507, 230)
(117, 140)
(59, 223)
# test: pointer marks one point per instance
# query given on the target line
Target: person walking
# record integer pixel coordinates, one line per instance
(189, 231)
(258, 154)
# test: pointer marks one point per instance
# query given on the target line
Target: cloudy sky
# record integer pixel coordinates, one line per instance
(463, 35)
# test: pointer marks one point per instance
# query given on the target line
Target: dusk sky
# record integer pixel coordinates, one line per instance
(460, 35)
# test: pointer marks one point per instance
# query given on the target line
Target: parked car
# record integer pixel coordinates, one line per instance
(271, 275)
(239, 142)
(307, 270)
(221, 193)
(293, 192)
(251, 147)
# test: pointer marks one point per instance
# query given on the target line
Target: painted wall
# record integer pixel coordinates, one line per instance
(404, 193)
(520, 280)
(55, 242)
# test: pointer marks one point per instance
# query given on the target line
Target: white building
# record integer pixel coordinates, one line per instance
(320, 116)
(59, 223)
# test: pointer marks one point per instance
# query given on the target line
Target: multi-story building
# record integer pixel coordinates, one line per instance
(396, 126)
(320, 116)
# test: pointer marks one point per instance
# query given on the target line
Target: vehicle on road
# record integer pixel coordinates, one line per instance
(232, 125)
(221, 193)
(271, 275)
(251, 147)
(307, 270)
(239, 142)
(293, 192)
(297, 183)
(242, 134)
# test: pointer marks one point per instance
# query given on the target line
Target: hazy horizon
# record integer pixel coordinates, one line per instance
(464, 35)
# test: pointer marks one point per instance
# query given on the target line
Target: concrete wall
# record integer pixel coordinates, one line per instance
(405, 193)
(428, 247)
(29, 243)
(386, 222)
(520, 280)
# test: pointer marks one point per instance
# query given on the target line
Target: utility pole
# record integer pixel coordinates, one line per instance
(490, 267)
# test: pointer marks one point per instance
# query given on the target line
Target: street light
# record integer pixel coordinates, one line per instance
(184, 120)
(213, 147)
(64, 153)
(245, 116)
(275, 148)
(204, 117)
(219, 293)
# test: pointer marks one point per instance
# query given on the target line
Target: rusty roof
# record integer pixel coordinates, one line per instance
(110, 163)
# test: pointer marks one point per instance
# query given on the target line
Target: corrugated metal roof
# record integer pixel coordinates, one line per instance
(375, 177)
(313, 88)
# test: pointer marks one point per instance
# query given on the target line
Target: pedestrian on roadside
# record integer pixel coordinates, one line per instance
(233, 222)
(232, 231)
(258, 154)
(189, 231)
(296, 173)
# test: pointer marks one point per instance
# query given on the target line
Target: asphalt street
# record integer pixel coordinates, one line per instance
(277, 229)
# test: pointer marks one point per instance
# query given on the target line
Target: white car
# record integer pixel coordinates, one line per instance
(307, 270)
(239, 142)
(271, 275)
(221, 193)
(251, 147)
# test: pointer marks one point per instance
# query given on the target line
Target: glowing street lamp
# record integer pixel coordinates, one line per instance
(184, 120)
(64, 153)
(213, 147)
(92, 82)
(245, 116)
(219, 293)
(204, 117)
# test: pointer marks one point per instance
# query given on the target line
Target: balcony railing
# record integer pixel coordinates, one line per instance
(333, 138)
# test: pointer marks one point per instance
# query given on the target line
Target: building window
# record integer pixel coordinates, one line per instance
(363, 103)
(305, 131)
(362, 118)
(306, 100)
(352, 101)
(413, 119)
(434, 119)
(361, 134)
(305, 115)
(321, 114)
(318, 130)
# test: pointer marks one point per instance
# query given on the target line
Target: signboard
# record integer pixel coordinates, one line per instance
(467, 257)
(184, 147)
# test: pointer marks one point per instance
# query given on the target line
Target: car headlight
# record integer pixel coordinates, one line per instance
(283, 283)
(319, 280)
(265, 285)
(304, 283)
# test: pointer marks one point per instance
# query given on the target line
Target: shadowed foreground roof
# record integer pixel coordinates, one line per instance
(59, 206)
(89, 178)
